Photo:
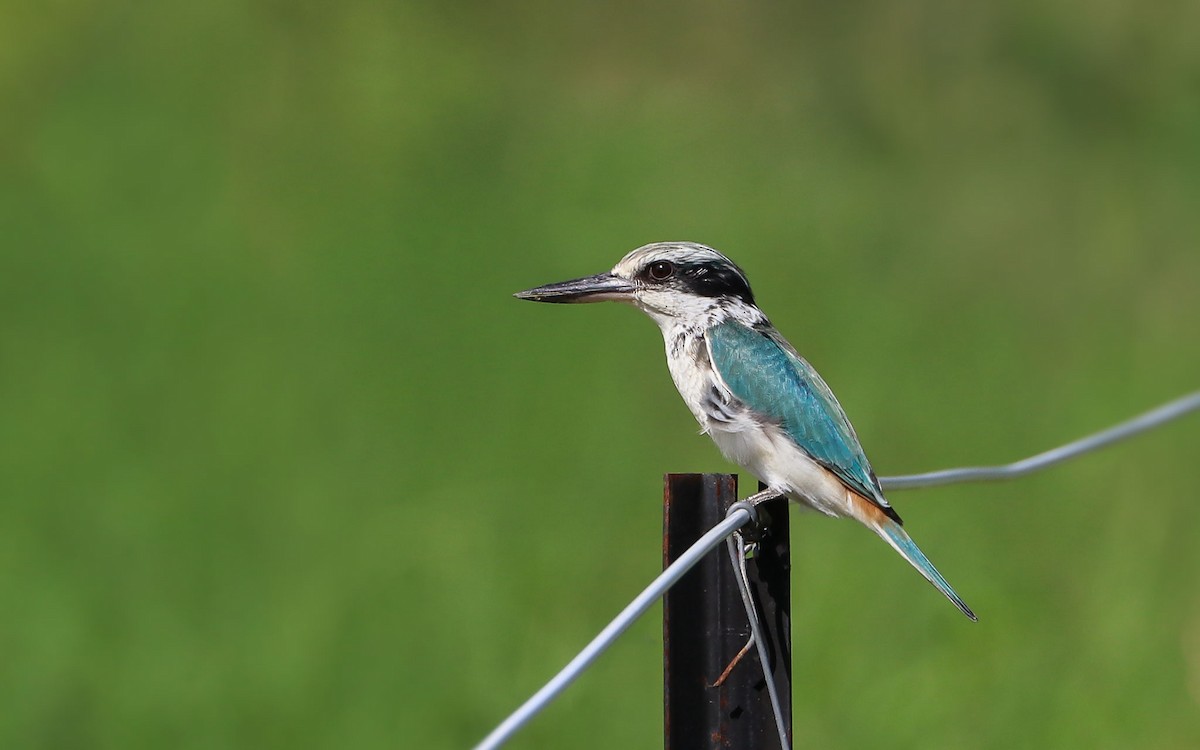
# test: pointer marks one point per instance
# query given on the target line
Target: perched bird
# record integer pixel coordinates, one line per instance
(764, 406)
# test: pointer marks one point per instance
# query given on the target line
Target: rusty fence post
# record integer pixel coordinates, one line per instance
(705, 625)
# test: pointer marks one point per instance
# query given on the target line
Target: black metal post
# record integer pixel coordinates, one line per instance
(705, 624)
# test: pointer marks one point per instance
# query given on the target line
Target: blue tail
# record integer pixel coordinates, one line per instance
(894, 535)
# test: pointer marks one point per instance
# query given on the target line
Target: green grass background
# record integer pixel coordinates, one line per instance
(282, 464)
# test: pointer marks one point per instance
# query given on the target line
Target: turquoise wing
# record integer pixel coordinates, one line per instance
(768, 376)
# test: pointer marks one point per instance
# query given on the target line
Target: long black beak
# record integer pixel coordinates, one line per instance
(602, 286)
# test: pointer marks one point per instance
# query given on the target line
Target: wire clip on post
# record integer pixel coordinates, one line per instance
(714, 698)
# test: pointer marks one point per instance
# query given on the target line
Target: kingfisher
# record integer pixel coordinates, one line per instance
(764, 406)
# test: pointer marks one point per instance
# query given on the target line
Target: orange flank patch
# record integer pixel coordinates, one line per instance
(865, 511)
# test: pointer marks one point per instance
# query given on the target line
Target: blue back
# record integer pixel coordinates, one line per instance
(766, 374)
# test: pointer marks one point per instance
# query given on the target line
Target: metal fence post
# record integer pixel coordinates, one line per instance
(705, 625)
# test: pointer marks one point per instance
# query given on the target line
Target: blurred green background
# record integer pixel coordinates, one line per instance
(282, 464)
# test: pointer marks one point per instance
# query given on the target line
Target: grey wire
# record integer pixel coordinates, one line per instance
(1129, 428)
(737, 557)
(740, 516)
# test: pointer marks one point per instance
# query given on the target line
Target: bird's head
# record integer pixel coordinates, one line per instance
(673, 282)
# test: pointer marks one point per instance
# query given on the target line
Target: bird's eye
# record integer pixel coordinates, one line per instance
(661, 270)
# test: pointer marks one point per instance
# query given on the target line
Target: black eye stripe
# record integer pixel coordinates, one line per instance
(710, 280)
(704, 279)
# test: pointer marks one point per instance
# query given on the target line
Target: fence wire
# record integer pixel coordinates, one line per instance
(1146, 421)
(742, 513)
(614, 629)
(737, 558)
